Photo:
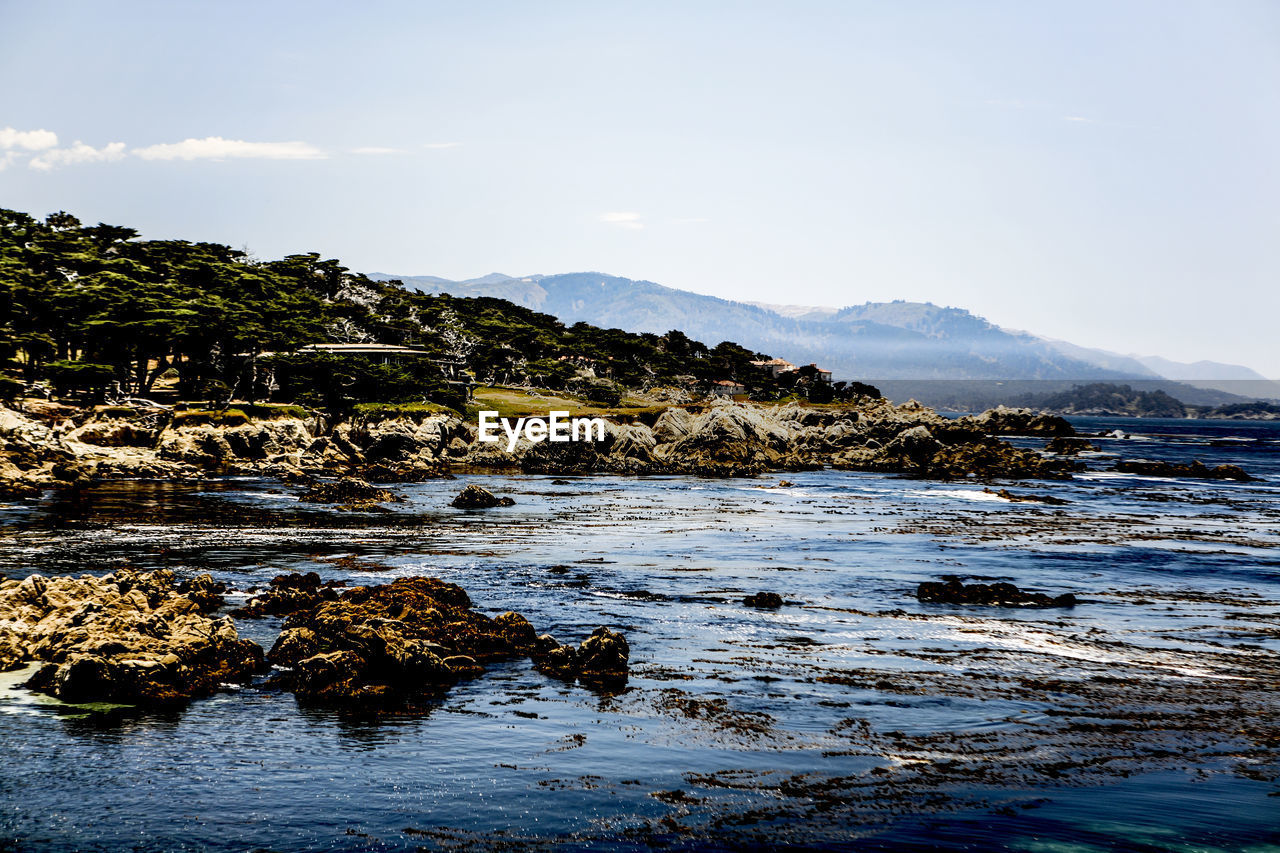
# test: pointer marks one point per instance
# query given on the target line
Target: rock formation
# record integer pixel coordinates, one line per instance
(410, 639)
(125, 637)
(478, 497)
(50, 448)
(350, 493)
(1065, 445)
(952, 591)
(1196, 469)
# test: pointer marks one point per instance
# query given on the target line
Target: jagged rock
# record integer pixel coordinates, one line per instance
(114, 432)
(413, 638)
(516, 630)
(34, 456)
(722, 439)
(952, 591)
(204, 591)
(999, 460)
(478, 497)
(239, 447)
(125, 637)
(602, 658)
(1006, 421)
(915, 446)
(349, 492)
(559, 661)
(1026, 498)
(1195, 469)
(764, 600)
(1069, 446)
(404, 473)
(289, 594)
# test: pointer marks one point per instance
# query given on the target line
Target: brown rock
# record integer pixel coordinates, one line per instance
(952, 591)
(477, 497)
(349, 492)
(764, 601)
(1195, 469)
(126, 637)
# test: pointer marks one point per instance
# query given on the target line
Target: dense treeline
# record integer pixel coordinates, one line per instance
(1099, 397)
(93, 308)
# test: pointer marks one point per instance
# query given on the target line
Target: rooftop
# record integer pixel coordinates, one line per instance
(363, 348)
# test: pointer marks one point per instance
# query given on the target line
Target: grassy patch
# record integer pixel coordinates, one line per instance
(520, 402)
(200, 417)
(185, 414)
(385, 411)
(273, 411)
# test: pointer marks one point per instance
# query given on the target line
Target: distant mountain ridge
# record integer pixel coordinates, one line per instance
(875, 341)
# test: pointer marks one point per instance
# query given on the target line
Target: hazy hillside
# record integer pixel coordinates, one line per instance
(882, 340)
(943, 356)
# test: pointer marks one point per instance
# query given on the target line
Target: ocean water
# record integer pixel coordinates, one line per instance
(854, 717)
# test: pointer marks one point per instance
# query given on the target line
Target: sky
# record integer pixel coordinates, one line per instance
(1106, 173)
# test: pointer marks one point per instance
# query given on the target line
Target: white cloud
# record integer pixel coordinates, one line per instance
(374, 149)
(623, 219)
(439, 145)
(217, 148)
(7, 159)
(1078, 118)
(30, 140)
(76, 154)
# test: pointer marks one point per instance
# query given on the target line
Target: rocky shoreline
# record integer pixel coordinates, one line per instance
(51, 446)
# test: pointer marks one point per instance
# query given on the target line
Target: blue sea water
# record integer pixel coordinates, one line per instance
(1179, 580)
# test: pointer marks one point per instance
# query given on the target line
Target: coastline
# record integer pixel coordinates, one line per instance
(851, 712)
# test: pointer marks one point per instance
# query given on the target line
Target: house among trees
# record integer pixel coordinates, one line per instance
(388, 353)
(727, 388)
(453, 370)
(776, 366)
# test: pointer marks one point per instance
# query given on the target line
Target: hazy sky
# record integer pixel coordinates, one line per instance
(1106, 172)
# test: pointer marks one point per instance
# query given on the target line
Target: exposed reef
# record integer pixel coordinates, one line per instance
(144, 639)
(408, 640)
(125, 637)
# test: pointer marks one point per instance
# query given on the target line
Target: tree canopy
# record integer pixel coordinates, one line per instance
(94, 305)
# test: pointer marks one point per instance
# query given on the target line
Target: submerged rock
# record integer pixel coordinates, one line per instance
(1026, 498)
(1064, 445)
(952, 591)
(1196, 470)
(764, 601)
(126, 637)
(478, 497)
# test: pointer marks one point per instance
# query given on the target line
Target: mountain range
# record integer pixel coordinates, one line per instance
(904, 347)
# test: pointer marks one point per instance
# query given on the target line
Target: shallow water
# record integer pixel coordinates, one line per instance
(1180, 589)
